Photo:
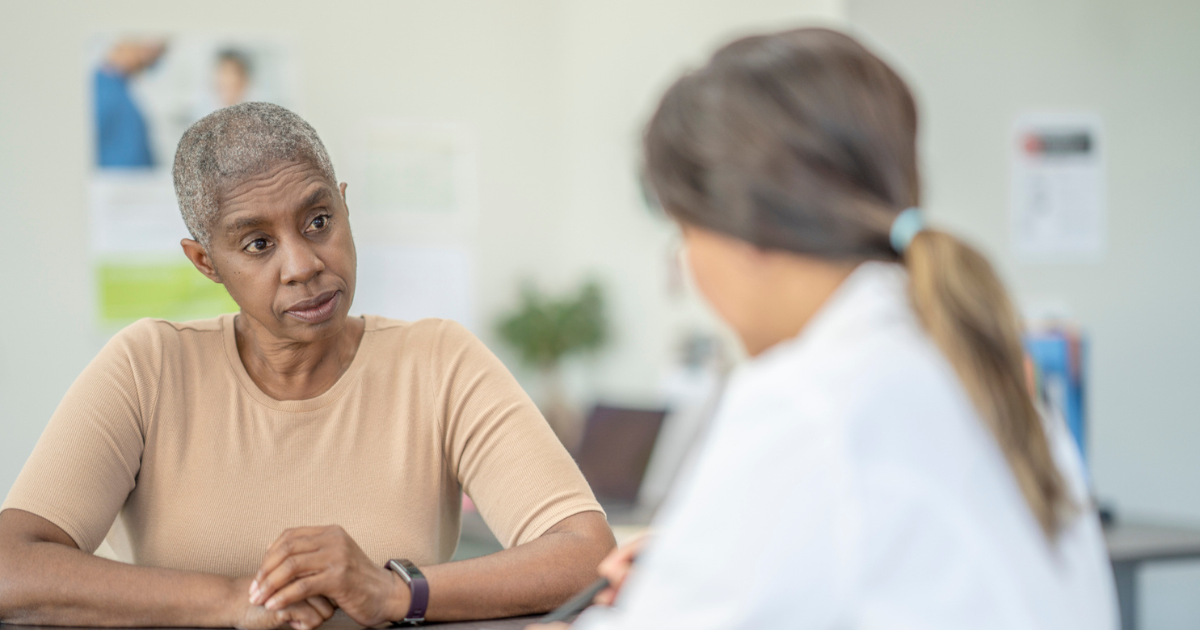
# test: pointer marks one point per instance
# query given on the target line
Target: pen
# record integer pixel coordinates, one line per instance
(576, 604)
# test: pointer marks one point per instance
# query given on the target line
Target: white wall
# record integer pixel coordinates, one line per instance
(554, 90)
(974, 66)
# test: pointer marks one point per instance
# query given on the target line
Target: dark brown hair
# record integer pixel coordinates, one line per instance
(804, 141)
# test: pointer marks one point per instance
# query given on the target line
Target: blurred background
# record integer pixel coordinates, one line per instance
(491, 151)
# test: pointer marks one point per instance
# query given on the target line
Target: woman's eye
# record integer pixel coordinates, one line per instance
(320, 222)
(257, 245)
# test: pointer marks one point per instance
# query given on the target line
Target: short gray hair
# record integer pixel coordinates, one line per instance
(234, 143)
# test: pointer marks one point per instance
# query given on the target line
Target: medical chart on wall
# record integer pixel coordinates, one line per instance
(413, 175)
(413, 198)
(1058, 188)
(145, 90)
(415, 282)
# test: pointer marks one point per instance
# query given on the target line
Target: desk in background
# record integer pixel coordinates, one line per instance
(1131, 545)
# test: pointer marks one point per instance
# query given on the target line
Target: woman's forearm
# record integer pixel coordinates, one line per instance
(46, 580)
(529, 579)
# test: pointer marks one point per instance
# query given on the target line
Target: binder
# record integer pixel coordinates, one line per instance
(1059, 356)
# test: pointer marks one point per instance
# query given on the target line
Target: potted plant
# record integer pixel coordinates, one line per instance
(544, 330)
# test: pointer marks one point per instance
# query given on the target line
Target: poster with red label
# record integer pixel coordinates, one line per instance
(1058, 188)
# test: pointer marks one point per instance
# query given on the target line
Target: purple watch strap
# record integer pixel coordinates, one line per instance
(417, 585)
(420, 599)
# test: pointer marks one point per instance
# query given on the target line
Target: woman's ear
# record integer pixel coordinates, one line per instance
(200, 259)
(342, 189)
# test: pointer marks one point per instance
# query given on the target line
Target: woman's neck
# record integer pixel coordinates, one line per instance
(285, 369)
(790, 293)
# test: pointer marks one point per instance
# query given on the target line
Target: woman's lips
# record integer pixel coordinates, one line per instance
(319, 312)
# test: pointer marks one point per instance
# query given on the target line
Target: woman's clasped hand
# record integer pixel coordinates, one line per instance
(305, 614)
(325, 564)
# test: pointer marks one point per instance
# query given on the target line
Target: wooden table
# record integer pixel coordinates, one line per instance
(1131, 545)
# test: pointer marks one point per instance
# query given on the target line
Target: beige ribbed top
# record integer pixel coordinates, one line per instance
(167, 429)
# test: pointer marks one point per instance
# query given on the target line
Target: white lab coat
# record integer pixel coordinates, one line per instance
(848, 483)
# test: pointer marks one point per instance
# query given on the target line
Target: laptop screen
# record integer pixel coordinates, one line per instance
(615, 449)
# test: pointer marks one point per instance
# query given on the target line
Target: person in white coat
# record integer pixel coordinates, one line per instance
(879, 461)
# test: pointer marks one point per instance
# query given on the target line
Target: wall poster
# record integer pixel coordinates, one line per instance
(145, 91)
(1058, 188)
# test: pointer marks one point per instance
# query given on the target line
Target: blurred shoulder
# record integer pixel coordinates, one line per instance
(901, 373)
(909, 411)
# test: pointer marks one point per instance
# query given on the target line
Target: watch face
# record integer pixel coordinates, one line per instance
(406, 569)
(413, 571)
(401, 567)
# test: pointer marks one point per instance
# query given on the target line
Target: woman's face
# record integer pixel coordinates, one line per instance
(282, 247)
(723, 270)
(231, 82)
(765, 296)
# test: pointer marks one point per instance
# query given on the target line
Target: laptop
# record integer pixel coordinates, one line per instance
(615, 450)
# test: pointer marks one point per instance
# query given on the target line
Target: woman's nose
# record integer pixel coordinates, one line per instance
(300, 262)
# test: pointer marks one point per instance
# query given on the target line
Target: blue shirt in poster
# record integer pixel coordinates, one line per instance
(122, 140)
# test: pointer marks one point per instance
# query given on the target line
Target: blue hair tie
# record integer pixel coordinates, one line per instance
(904, 228)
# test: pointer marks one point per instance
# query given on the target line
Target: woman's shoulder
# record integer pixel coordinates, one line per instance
(151, 340)
(441, 347)
(155, 335)
(432, 332)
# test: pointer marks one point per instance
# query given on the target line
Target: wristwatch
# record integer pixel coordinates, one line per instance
(415, 580)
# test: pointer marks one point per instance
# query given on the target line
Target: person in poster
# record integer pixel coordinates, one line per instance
(122, 135)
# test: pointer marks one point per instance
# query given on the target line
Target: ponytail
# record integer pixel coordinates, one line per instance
(964, 307)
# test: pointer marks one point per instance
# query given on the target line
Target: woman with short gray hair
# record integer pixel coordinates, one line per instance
(267, 464)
